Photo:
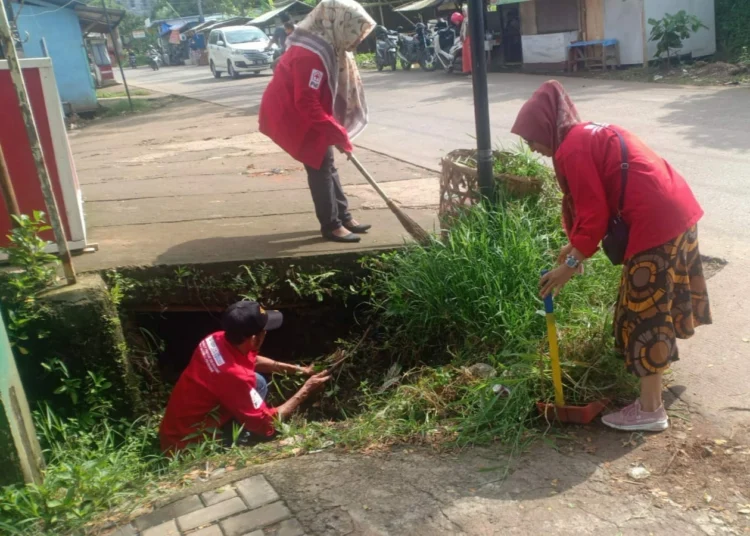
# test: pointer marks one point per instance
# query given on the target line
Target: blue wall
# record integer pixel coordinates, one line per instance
(62, 32)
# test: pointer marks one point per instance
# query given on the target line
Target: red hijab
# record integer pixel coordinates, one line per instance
(546, 118)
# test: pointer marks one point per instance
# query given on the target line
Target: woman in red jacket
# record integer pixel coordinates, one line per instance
(316, 102)
(662, 293)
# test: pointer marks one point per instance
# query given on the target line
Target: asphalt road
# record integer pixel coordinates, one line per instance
(703, 132)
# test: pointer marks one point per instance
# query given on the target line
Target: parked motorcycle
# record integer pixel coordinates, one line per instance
(416, 49)
(385, 48)
(132, 60)
(154, 60)
(448, 46)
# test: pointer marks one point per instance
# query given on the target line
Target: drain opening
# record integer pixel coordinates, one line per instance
(308, 334)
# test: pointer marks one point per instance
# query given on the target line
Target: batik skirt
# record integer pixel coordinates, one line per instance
(662, 298)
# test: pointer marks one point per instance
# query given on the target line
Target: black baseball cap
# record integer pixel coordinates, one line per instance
(246, 318)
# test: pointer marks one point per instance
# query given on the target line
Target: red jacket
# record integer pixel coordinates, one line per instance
(296, 111)
(218, 384)
(659, 204)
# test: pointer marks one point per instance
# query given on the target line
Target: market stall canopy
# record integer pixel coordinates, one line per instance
(419, 5)
(93, 19)
(293, 8)
(213, 25)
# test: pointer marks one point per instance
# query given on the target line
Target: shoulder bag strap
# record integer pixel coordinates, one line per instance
(624, 167)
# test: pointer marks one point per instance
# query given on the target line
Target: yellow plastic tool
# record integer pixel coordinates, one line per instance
(554, 350)
(559, 411)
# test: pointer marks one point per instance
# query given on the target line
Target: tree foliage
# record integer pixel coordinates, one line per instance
(669, 31)
(164, 9)
(732, 27)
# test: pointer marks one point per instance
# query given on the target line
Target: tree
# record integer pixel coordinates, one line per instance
(669, 32)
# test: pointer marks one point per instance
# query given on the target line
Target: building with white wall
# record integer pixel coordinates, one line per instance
(549, 26)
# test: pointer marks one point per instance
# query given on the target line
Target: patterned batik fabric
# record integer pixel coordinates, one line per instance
(662, 298)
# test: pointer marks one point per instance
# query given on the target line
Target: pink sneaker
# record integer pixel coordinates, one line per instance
(631, 418)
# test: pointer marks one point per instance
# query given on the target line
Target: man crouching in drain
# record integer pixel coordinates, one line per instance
(222, 387)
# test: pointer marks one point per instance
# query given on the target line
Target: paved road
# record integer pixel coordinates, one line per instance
(420, 116)
(703, 132)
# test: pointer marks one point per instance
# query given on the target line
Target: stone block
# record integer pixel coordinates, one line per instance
(165, 529)
(168, 512)
(256, 491)
(288, 527)
(125, 530)
(255, 519)
(213, 530)
(209, 514)
(216, 496)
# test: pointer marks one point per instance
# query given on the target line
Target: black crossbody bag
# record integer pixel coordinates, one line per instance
(615, 241)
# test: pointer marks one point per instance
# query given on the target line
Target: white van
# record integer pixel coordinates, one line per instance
(238, 49)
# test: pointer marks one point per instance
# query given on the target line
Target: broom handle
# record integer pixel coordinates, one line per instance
(554, 350)
(368, 177)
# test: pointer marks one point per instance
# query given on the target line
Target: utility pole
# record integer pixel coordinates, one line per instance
(481, 100)
(117, 55)
(201, 19)
(16, 76)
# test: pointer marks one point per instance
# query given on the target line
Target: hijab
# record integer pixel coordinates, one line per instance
(332, 31)
(546, 118)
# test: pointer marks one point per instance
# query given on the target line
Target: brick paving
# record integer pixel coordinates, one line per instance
(250, 507)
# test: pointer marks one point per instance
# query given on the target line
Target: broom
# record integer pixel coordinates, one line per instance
(421, 236)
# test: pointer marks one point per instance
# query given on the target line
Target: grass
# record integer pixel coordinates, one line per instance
(521, 162)
(122, 107)
(104, 93)
(434, 311)
(365, 60)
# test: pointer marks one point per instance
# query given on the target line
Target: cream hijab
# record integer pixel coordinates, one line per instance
(332, 31)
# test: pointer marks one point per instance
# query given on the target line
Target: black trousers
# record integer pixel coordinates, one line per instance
(331, 206)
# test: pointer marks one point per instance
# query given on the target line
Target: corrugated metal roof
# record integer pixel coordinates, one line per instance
(419, 5)
(270, 15)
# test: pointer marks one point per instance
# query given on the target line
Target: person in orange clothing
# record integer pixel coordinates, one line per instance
(466, 38)
(316, 102)
(603, 171)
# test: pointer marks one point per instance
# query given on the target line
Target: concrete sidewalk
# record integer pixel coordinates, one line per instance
(195, 183)
(577, 484)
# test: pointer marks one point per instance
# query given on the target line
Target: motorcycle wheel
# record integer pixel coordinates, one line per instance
(393, 64)
(427, 63)
(380, 66)
(405, 65)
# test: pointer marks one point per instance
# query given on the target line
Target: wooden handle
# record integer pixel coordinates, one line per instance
(368, 177)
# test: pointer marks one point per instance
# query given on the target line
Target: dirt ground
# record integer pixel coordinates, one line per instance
(698, 73)
(202, 185)
(576, 480)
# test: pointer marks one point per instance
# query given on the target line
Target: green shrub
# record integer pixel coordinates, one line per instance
(669, 31)
(474, 297)
(732, 27)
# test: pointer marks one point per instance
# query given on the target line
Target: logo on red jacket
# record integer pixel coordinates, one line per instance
(315, 79)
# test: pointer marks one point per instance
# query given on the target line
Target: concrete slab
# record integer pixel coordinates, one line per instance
(158, 190)
(237, 239)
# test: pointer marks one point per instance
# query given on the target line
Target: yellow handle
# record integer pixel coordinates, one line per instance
(554, 355)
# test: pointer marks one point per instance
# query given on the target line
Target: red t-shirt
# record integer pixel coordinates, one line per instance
(659, 204)
(218, 384)
(296, 110)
